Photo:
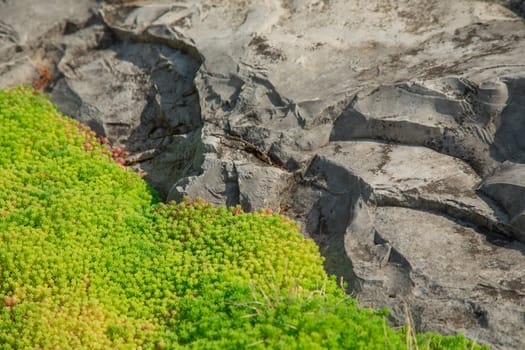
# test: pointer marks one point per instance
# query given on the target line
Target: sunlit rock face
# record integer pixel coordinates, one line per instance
(391, 130)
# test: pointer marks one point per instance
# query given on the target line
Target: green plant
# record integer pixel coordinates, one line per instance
(90, 259)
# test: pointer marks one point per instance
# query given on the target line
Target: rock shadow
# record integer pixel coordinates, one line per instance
(167, 142)
(509, 143)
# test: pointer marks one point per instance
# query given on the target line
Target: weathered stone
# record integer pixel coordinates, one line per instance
(261, 187)
(507, 187)
(481, 297)
(217, 184)
(384, 174)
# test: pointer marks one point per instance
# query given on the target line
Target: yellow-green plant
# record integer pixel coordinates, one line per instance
(89, 259)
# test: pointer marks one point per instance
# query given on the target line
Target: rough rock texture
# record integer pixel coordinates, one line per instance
(507, 187)
(391, 130)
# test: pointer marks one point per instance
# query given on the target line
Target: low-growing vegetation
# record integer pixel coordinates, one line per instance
(89, 258)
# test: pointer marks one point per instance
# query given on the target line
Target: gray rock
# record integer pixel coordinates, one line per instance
(481, 297)
(392, 131)
(507, 187)
(217, 184)
(27, 31)
(384, 174)
(261, 187)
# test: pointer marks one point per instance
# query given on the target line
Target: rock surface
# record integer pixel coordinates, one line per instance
(391, 130)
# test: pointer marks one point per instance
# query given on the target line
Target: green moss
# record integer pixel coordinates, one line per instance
(89, 258)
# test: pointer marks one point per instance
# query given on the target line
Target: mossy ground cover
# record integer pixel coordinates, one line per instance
(89, 258)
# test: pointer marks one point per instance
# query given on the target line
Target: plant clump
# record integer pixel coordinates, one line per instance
(90, 259)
